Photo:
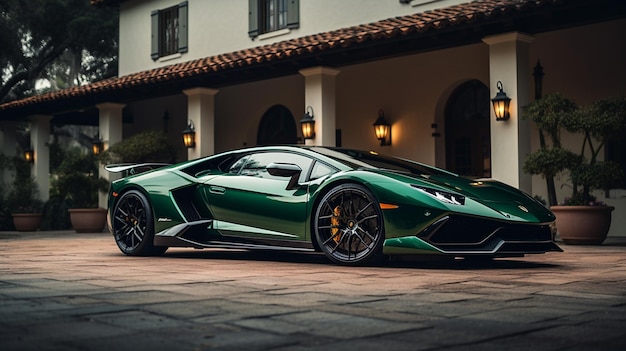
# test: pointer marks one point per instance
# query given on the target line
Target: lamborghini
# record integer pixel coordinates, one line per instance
(354, 206)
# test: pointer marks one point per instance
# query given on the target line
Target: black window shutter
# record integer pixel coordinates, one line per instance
(253, 18)
(154, 49)
(183, 41)
(293, 14)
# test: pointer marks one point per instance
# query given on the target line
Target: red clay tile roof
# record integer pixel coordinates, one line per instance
(437, 21)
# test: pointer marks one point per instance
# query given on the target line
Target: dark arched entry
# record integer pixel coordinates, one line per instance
(468, 141)
(277, 127)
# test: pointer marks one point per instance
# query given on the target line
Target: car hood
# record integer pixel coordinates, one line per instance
(500, 197)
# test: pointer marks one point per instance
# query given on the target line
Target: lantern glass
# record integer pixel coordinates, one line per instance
(29, 155)
(501, 104)
(308, 129)
(382, 129)
(501, 109)
(189, 138)
(189, 135)
(97, 147)
(307, 124)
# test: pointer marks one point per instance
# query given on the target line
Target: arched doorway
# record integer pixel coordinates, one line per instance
(277, 127)
(467, 131)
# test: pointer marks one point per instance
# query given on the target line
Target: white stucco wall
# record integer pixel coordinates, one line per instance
(240, 108)
(412, 91)
(221, 26)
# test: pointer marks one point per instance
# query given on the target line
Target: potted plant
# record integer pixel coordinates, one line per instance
(23, 200)
(78, 183)
(580, 219)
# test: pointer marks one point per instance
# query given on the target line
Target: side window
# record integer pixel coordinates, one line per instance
(267, 16)
(320, 170)
(237, 166)
(257, 164)
(169, 31)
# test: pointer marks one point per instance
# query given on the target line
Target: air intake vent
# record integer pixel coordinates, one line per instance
(184, 198)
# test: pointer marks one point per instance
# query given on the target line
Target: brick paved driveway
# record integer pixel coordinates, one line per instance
(67, 291)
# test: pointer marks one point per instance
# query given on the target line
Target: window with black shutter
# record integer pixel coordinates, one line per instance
(267, 16)
(169, 31)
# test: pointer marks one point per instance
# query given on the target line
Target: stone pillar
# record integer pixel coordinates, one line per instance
(201, 113)
(509, 63)
(110, 127)
(8, 143)
(39, 137)
(319, 93)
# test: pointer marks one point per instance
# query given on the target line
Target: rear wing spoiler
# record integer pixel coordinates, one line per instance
(128, 169)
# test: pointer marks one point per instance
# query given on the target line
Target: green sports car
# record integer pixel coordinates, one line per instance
(354, 206)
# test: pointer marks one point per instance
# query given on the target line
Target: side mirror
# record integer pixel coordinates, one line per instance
(285, 170)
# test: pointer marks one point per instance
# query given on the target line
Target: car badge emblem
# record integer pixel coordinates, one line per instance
(523, 208)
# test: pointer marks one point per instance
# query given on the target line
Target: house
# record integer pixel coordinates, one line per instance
(243, 73)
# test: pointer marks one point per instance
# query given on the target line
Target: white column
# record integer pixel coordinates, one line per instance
(110, 128)
(319, 93)
(8, 142)
(509, 63)
(201, 113)
(39, 137)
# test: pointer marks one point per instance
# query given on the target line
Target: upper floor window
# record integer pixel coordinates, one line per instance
(274, 15)
(267, 16)
(169, 31)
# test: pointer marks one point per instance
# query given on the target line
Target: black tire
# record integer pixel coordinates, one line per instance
(133, 225)
(348, 225)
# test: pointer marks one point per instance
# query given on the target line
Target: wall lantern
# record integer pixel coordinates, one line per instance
(308, 124)
(29, 155)
(189, 135)
(501, 104)
(97, 145)
(382, 128)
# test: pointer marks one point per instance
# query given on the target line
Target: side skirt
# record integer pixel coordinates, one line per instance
(199, 234)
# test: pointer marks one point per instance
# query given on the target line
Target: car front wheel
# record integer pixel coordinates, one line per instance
(133, 227)
(348, 225)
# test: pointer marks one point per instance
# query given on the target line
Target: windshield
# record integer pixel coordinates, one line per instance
(370, 159)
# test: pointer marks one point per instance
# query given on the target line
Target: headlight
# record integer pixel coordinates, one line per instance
(443, 196)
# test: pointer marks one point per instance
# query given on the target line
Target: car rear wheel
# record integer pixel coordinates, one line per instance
(133, 226)
(348, 225)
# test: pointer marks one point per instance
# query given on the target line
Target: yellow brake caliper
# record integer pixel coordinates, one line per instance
(334, 224)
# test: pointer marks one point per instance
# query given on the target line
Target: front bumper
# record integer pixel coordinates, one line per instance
(465, 236)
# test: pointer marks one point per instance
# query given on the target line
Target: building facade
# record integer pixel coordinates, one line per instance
(243, 73)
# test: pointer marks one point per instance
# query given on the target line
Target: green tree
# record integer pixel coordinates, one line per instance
(66, 41)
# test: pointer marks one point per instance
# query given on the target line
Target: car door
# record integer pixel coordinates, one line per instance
(248, 201)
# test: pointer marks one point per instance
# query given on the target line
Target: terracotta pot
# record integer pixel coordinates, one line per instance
(583, 225)
(26, 222)
(88, 220)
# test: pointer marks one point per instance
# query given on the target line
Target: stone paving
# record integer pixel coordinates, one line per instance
(68, 291)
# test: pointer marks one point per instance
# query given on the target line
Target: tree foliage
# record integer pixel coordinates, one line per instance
(77, 180)
(68, 42)
(147, 146)
(598, 123)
